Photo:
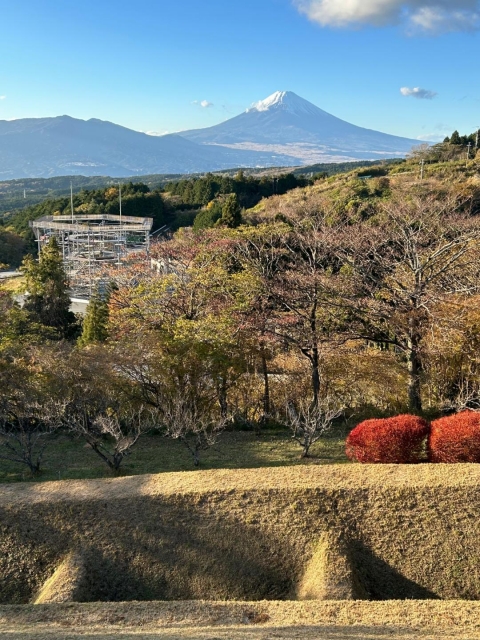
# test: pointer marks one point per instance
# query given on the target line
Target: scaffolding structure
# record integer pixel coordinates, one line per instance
(93, 246)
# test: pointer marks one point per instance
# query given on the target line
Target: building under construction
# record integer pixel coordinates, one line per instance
(93, 245)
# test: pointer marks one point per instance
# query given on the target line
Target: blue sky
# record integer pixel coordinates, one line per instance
(149, 64)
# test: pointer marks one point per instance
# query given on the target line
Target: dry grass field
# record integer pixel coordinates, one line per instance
(243, 621)
(379, 532)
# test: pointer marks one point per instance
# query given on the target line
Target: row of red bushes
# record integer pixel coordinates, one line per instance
(410, 439)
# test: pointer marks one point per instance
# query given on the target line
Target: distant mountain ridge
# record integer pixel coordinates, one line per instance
(286, 119)
(46, 147)
(282, 130)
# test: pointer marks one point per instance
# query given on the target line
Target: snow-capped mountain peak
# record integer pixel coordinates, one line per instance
(284, 101)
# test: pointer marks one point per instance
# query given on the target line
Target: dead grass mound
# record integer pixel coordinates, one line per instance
(381, 532)
(330, 573)
(67, 584)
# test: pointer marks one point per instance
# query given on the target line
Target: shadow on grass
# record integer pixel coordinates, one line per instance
(144, 549)
(384, 582)
(69, 459)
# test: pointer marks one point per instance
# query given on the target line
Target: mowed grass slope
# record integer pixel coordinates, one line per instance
(69, 458)
(408, 531)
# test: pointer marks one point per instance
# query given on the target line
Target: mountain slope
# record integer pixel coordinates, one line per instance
(45, 147)
(287, 120)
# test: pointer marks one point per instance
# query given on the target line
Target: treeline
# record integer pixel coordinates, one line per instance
(248, 189)
(463, 141)
(190, 197)
(323, 170)
(137, 200)
(462, 149)
(21, 193)
(214, 199)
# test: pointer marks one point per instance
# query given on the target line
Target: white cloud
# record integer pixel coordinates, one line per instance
(426, 16)
(417, 92)
(2, 97)
(430, 137)
(157, 133)
(205, 104)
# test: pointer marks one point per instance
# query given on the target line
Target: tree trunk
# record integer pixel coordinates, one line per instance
(315, 375)
(222, 398)
(266, 387)
(414, 375)
(315, 356)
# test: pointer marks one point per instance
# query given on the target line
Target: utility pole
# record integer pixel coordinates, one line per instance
(422, 165)
(71, 198)
(468, 152)
(120, 200)
(120, 237)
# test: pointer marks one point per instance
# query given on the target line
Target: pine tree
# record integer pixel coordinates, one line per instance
(455, 138)
(96, 318)
(47, 298)
(231, 213)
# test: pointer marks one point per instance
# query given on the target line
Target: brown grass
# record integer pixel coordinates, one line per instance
(331, 574)
(411, 532)
(243, 620)
(67, 584)
(410, 528)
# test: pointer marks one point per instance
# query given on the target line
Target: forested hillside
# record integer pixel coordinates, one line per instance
(176, 204)
(23, 193)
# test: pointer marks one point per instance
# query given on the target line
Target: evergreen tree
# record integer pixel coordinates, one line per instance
(94, 327)
(208, 216)
(231, 213)
(47, 298)
(455, 138)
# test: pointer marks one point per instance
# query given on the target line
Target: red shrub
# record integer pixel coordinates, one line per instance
(396, 440)
(455, 438)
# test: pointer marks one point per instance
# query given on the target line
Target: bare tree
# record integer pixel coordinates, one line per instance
(422, 251)
(296, 264)
(26, 424)
(310, 421)
(98, 405)
(188, 420)
(111, 434)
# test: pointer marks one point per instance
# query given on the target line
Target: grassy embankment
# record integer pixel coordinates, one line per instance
(365, 532)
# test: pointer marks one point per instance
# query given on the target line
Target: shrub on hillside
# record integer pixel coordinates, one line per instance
(455, 438)
(390, 440)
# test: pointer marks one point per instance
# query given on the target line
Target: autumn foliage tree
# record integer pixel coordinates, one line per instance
(421, 251)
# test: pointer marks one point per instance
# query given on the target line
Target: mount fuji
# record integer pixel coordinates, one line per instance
(286, 124)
